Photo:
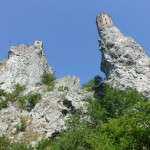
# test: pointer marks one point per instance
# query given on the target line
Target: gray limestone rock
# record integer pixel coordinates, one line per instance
(25, 65)
(71, 82)
(124, 62)
(46, 118)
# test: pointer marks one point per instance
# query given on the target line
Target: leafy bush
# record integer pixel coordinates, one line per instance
(22, 146)
(112, 103)
(18, 90)
(24, 101)
(93, 83)
(50, 87)
(33, 99)
(21, 126)
(96, 112)
(28, 101)
(47, 78)
(2, 92)
(15, 96)
(44, 144)
(3, 104)
(130, 131)
(116, 101)
(89, 86)
(6, 144)
(73, 139)
(2, 83)
(63, 88)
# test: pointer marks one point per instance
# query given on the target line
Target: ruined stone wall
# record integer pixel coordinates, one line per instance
(104, 20)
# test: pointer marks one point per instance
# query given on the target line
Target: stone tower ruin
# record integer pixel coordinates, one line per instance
(38, 43)
(103, 20)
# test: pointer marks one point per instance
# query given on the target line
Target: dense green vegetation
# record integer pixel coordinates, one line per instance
(6, 144)
(63, 88)
(93, 83)
(3, 102)
(24, 101)
(115, 120)
(48, 79)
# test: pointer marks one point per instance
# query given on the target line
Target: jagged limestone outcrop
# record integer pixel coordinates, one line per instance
(25, 65)
(124, 62)
(47, 118)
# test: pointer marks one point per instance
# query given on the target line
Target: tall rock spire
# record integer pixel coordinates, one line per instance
(124, 62)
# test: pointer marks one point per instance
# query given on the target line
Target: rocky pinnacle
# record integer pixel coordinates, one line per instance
(124, 62)
(25, 65)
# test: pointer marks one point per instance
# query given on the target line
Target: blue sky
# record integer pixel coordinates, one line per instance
(68, 30)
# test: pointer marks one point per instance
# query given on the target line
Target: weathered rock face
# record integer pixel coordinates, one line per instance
(71, 82)
(25, 65)
(46, 119)
(123, 61)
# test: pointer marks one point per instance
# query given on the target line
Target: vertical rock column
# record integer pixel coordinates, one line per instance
(124, 62)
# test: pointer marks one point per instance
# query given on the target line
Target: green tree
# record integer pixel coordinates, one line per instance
(93, 83)
(130, 131)
(116, 101)
(47, 78)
